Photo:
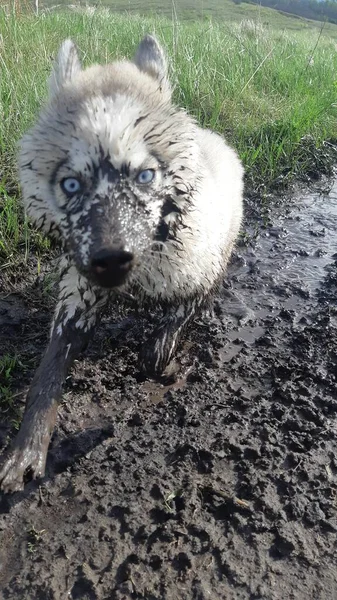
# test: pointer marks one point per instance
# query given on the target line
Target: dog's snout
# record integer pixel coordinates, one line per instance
(110, 266)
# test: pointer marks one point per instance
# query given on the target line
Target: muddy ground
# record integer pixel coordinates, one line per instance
(222, 485)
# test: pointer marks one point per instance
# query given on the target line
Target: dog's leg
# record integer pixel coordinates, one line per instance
(157, 351)
(76, 314)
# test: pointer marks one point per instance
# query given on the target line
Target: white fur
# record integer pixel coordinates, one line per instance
(124, 111)
(75, 295)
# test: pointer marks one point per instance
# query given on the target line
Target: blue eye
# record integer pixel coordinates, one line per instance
(145, 176)
(70, 185)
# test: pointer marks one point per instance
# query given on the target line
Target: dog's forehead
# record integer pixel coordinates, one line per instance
(85, 156)
(110, 127)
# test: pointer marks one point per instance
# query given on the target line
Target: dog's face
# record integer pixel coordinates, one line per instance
(109, 165)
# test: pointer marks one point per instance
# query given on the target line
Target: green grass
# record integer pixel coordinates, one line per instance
(219, 10)
(8, 365)
(272, 92)
(11, 231)
(17, 236)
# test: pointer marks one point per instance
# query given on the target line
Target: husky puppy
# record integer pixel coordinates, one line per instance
(143, 200)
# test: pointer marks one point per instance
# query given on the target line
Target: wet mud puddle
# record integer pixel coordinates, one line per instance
(281, 271)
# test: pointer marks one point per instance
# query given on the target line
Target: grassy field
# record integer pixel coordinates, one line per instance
(270, 91)
(219, 10)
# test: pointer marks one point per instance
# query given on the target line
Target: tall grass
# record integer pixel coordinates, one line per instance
(268, 91)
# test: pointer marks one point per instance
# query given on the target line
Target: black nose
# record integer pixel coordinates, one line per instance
(110, 267)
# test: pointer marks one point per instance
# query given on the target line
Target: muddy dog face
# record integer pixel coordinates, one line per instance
(108, 167)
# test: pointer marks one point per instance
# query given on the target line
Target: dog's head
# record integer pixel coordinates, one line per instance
(110, 164)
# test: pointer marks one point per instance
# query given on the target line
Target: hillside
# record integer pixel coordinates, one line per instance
(319, 10)
(218, 10)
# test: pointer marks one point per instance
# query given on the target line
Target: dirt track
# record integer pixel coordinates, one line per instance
(222, 486)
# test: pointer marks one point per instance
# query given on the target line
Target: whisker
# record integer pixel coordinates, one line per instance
(141, 285)
(147, 270)
(162, 252)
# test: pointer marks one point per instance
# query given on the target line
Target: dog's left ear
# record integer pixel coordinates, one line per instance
(150, 59)
(66, 67)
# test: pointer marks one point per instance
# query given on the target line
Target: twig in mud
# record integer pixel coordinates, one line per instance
(228, 498)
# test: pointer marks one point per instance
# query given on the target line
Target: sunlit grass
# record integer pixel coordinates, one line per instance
(8, 365)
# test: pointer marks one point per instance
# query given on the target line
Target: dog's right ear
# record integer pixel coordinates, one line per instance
(150, 59)
(66, 67)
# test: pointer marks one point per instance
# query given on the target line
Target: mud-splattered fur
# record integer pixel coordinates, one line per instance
(101, 129)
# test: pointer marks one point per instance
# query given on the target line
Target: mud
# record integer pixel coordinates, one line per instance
(221, 485)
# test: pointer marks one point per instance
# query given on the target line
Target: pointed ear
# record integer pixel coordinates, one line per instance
(66, 67)
(150, 58)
